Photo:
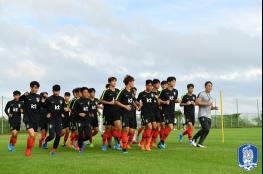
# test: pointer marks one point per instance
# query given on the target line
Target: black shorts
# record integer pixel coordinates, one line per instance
(157, 115)
(94, 122)
(127, 119)
(146, 119)
(169, 118)
(110, 117)
(73, 125)
(43, 123)
(133, 122)
(190, 119)
(55, 128)
(66, 122)
(15, 125)
(32, 125)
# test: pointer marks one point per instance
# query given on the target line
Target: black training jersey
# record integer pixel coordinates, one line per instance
(94, 107)
(32, 105)
(55, 106)
(148, 102)
(189, 110)
(72, 107)
(172, 96)
(13, 109)
(109, 95)
(83, 106)
(125, 97)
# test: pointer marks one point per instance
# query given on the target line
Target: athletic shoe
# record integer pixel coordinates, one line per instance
(194, 143)
(124, 151)
(28, 152)
(201, 146)
(148, 148)
(91, 145)
(82, 148)
(191, 142)
(44, 146)
(161, 145)
(154, 145)
(181, 138)
(11, 148)
(52, 153)
(117, 147)
(104, 148)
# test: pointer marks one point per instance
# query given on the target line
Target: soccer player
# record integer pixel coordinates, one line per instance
(147, 103)
(94, 106)
(83, 119)
(168, 99)
(157, 113)
(125, 100)
(43, 124)
(133, 122)
(13, 110)
(205, 103)
(66, 118)
(73, 126)
(111, 115)
(56, 106)
(188, 102)
(32, 104)
(164, 84)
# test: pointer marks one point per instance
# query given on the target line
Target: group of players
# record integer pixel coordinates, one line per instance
(77, 119)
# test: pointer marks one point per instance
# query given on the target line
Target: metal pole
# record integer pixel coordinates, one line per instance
(237, 113)
(2, 115)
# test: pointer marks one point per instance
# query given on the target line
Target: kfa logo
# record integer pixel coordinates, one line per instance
(85, 109)
(248, 157)
(130, 100)
(33, 106)
(149, 100)
(57, 107)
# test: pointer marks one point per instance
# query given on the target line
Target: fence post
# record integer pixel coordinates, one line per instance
(2, 104)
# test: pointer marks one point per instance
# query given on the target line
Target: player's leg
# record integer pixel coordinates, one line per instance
(168, 129)
(13, 140)
(155, 133)
(30, 140)
(59, 133)
(73, 135)
(51, 135)
(206, 126)
(117, 134)
(87, 132)
(80, 128)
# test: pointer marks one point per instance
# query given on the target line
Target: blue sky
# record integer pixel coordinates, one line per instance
(82, 42)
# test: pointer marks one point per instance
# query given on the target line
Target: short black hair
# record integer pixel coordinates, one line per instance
(67, 94)
(110, 79)
(155, 81)
(91, 90)
(207, 83)
(16, 93)
(84, 89)
(172, 78)
(148, 82)
(34, 83)
(128, 79)
(190, 86)
(56, 88)
(164, 82)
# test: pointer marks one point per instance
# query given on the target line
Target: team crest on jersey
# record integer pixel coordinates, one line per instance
(38, 100)
(61, 102)
(152, 95)
(248, 157)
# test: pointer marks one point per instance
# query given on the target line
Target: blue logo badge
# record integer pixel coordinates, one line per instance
(248, 157)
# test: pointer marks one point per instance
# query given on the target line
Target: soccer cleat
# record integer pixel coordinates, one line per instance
(201, 146)
(11, 148)
(154, 145)
(53, 153)
(104, 148)
(91, 145)
(77, 148)
(82, 148)
(124, 151)
(161, 145)
(70, 144)
(28, 152)
(191, 142)
(117, 147)
(181, 138)
(44, 146)
(194, 143)
(148, 148)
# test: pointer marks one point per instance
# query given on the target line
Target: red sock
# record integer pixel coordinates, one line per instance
(154, 135)
(131, 136)
(30, 142)
(124, 140)
(109, 138)
(148, 137)
(11, 140)
(14, 141)
(167, 131)
(144, 135)
(104, 137)
(66, 137)
(186, 132)
(161, 132)
(140, 131)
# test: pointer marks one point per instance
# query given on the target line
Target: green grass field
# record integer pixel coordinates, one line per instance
(177, 158)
